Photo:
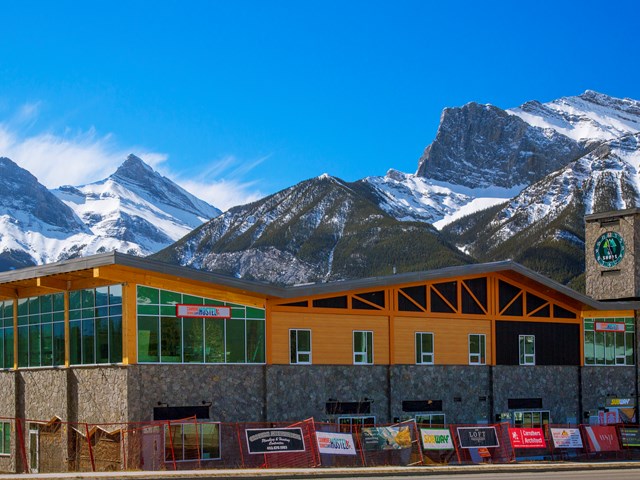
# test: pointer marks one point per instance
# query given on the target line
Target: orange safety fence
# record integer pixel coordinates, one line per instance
(56, 446)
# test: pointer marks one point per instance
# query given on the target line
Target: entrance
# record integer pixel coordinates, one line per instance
(34, 450)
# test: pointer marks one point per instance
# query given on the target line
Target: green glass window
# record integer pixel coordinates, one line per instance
(5, 438)
(38, 318)
(190, 441)
(6, 334)
(424, 348)
(527, 349)
(362, 348)
(609, 341)
(477, 349)
(95, 322)
(300, 346)
(240, 339)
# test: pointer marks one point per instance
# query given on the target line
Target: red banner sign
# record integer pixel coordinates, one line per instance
(527, 438)
(202, 311)
(609, 327)
(602, 439)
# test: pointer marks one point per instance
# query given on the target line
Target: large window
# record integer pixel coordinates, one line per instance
(609, 341)
(5, 438)
(6, 334)
(191, 441)
(300, 346)
(41, 331)
(430, 419)
(354, 424)
(477, 349)
(362, 348)
(527, 349)
(531, 419)
(95, 325)
(165, 338)
(424, 348)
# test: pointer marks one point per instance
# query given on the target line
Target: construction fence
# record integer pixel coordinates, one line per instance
(55, 446)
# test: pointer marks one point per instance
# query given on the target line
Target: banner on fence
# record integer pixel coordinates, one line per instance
(566, 437)
(436, 439)
(274, 440)
(527, 438)
(478, 437)
(602, 439)
(335, 443)
(386, 438)
(630, 436)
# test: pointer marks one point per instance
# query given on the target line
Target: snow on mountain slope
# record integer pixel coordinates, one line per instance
(591, 116)
(138, 206)
(605, 179)
(410, 197)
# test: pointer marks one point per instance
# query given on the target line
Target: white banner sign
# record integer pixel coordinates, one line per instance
(335, 443)
(436, 439)
(566, 437)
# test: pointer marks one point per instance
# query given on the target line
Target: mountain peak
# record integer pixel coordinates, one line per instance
(134, 168)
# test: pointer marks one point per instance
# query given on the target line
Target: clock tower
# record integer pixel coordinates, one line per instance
(611, 242)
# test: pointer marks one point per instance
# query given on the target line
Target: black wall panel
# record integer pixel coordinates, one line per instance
(556, 343)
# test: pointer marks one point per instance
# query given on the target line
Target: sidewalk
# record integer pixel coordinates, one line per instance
(330, 472)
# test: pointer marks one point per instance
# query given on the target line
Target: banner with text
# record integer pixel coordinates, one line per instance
(386, 438)
(566, 437)
(478, 437)
(630, 436)
(527, 438)
(602, 439)
(335, 443)
(274, 440)
(436, 439)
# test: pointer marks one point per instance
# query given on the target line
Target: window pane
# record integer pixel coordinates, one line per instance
(58, 343)
(34, 346)
(170, 298)
(609, 348)
(102, 339)
(193, 340)
(255, 341)
(214, 341)
(75, 341)
(148, 334)
(115, 294)
(418, 348)
(47, 344)
(359, 342)
(170, 340)
(629, 348)
(589, 348)
(235, 341)
(599, 342)
(190, 441)
(210, 440)
(369, 347)
(115, 339)
(293, 346)
(8, 348)
(88, 300)
(483, 348)
(148, 295)
(102, 296)
(88, 342)
(173, 449)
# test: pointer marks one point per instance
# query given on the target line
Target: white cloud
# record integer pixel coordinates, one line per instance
(222, 194)
(78, 158)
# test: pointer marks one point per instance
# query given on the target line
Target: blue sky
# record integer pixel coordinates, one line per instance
(238, 99)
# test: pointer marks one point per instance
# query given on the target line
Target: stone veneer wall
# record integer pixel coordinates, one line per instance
(558, 386)
(296, 392)
(625, 282)
(470, 384)
(8, 410)
(103, 394)
(600, 382)
(236, 392)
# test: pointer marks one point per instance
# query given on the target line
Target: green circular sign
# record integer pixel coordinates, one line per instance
(609, 249)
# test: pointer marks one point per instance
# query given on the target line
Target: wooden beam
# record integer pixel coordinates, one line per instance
(8, 292)
(52, 284)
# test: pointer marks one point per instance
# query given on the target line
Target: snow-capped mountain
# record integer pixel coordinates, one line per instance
(318, 230)
(137, 205)
(483, 156)
(135, 210)
(585, 118)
